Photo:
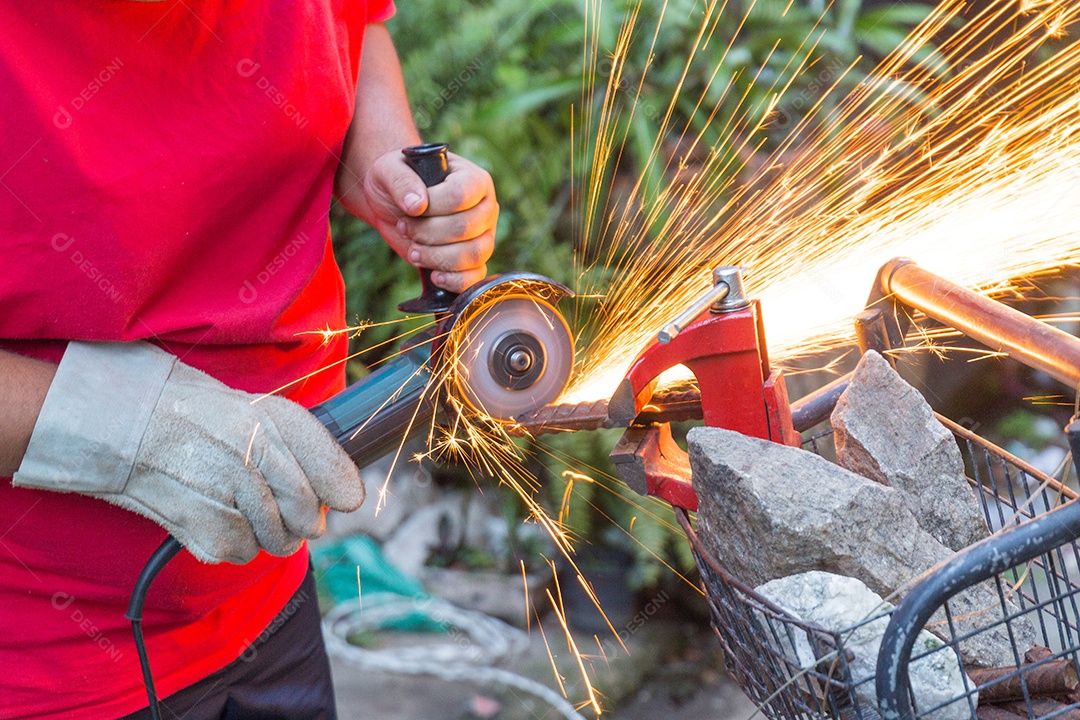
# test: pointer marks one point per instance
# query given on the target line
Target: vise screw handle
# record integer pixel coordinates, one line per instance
(429, 161)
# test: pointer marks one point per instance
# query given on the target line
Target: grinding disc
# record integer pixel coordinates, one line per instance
(513, 356)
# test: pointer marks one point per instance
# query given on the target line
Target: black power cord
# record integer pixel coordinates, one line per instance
(161, 557)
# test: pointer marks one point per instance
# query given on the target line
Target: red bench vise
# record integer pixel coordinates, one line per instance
(720, 339)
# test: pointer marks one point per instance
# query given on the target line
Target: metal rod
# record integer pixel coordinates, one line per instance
(668, 406)
(718, 292)
(997, 326)
(872, 333)
(808, 411)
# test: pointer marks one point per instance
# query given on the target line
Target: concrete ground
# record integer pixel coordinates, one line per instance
(672, 671)
(671, 667)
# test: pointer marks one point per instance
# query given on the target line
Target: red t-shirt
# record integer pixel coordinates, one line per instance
(166, 171)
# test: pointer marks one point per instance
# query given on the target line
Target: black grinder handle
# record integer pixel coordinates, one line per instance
(429, 161)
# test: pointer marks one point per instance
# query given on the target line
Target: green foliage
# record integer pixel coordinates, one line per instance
(600, 510)
(1032, 429)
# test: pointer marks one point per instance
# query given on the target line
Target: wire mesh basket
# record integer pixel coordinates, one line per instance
(1036, 576)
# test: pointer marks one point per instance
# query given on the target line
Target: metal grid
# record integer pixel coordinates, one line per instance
(761, 642)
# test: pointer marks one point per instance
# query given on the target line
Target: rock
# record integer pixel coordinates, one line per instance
(410, 546)
(768, 511)
(886, 431)
(836, 603)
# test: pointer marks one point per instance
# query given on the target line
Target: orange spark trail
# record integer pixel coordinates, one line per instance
(966, 158)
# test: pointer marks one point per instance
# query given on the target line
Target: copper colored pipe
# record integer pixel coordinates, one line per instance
(997, 326)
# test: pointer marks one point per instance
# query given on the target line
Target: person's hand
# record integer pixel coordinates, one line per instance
(449, 228)
(225, 472)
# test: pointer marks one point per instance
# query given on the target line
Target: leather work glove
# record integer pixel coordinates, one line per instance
(131, 424)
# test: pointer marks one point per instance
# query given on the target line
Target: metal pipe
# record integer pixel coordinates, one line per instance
(808, 411)
(727, 295)
(995, 325)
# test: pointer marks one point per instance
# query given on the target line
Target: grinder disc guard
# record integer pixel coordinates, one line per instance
(512, 355)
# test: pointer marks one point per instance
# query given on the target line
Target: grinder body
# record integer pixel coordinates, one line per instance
(384, 410)
(463, 357)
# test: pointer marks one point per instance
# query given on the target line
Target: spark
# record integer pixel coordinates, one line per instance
(251, 443)
(551, 657)
(966, 158)
(1053, 400)
(328, 333)
(352, 331)
(528, 600)
(560, 615)
(603, 652)
(347, 358)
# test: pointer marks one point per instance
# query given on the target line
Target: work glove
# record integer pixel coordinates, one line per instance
(224, 471)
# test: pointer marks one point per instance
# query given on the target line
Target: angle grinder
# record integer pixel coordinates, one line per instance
(500, 349)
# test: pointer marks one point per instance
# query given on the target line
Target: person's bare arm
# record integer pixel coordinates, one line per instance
(382, 122)
(449, 228)
(23, 385)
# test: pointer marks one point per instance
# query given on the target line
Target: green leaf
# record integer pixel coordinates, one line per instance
(527, 101)
(881, 39)
(900, 14)
(847, 14)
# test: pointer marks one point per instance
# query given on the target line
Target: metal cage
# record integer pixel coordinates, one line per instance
(1036, 573)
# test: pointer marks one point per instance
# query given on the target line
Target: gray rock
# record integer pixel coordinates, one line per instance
(837, 603)
(413, 542)
(886, 431)
(768, 511)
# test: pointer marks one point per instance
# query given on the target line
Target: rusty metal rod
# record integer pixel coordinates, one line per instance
(997, 326)
(992, 712)
(1042, 708)
(1047, 680)
(667, 406)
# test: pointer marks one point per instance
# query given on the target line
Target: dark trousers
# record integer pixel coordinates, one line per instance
(283, 675)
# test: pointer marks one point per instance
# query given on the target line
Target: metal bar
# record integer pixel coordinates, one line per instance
(668, 406)
(872, 332)
(809, 410)
(997, 326)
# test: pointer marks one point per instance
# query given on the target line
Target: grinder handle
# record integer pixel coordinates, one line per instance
(429, 161)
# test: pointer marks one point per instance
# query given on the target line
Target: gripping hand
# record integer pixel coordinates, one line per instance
(224, 471)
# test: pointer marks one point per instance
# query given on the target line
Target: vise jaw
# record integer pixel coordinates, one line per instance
(727, 355)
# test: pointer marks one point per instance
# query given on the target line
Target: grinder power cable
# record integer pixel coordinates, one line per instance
(501, 349)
